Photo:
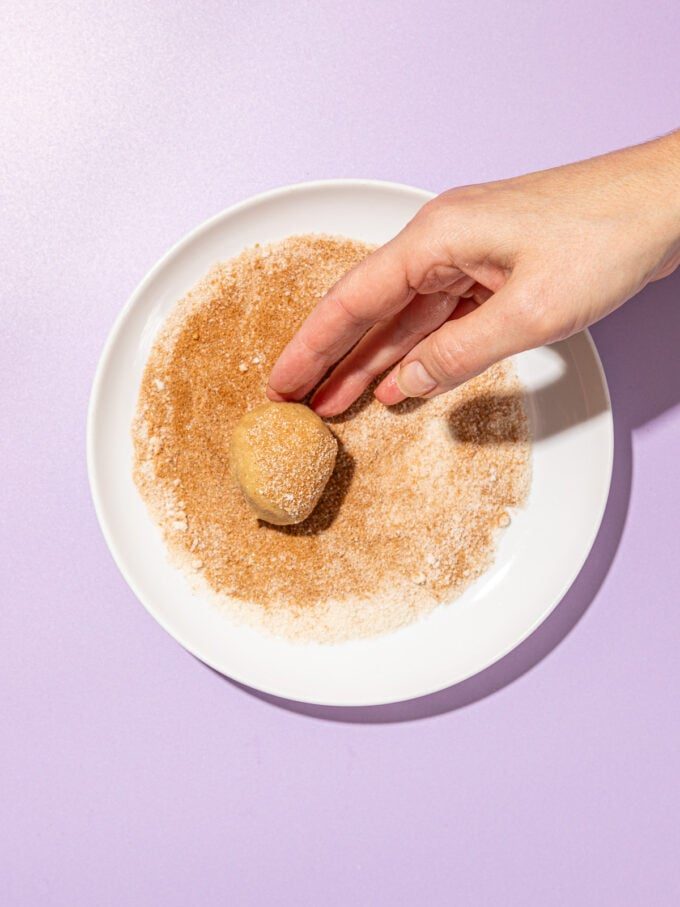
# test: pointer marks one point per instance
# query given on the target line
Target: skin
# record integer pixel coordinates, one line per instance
(483, 272)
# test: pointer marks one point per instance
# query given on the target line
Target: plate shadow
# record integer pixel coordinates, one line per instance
(638, 346)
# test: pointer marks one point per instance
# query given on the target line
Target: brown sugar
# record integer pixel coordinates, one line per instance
(411, 513)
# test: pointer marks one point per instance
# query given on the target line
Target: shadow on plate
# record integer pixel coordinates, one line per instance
(638, 346)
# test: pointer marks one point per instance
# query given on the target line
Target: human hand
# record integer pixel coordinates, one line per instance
(483, 272)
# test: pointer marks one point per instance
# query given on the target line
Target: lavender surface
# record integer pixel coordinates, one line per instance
(129, 772)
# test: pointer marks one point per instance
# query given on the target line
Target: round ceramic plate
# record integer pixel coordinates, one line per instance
(538, 557)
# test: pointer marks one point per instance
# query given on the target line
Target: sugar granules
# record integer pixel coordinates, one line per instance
(411, 513)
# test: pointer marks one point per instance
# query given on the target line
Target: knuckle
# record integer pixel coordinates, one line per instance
(435, 220)
(435, 278)
(534, 315)
(436, 216)
(311, 349)
(447, 356)
(432, 268)
(340, 296)
(355, 318)
(430, 209)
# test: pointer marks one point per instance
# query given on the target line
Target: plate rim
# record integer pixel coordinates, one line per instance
(93, 478)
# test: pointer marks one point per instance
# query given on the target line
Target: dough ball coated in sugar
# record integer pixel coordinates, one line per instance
(282, 456)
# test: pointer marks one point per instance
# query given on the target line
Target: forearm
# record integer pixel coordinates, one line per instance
(646, 179)
(664, 169)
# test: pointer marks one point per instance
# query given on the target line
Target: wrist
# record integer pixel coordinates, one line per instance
(659, 166)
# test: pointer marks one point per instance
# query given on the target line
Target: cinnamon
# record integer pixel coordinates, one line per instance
(411, 513)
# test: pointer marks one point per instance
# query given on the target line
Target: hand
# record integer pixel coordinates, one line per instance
(483, 272)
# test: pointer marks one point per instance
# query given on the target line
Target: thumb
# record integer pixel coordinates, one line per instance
(463, 348)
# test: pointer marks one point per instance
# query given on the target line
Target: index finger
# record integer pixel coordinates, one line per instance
(376, 288)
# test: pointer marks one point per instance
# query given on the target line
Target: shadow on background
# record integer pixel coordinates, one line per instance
(639, 348)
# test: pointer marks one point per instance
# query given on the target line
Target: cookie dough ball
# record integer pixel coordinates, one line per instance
(282, 456)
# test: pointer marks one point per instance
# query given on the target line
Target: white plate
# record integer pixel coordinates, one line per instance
(539, 555)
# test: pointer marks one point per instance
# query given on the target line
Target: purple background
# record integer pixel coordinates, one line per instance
(129, 772)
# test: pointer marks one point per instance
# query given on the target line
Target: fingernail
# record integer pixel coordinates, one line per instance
(414, 380)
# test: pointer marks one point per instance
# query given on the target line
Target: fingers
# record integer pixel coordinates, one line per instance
(381, 347)
(378, 288)
(459, 350)
(375, 289)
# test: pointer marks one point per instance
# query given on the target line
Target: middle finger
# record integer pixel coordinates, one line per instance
(381, 347)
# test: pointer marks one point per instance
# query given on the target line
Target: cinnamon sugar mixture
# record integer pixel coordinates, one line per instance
(410, 515)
